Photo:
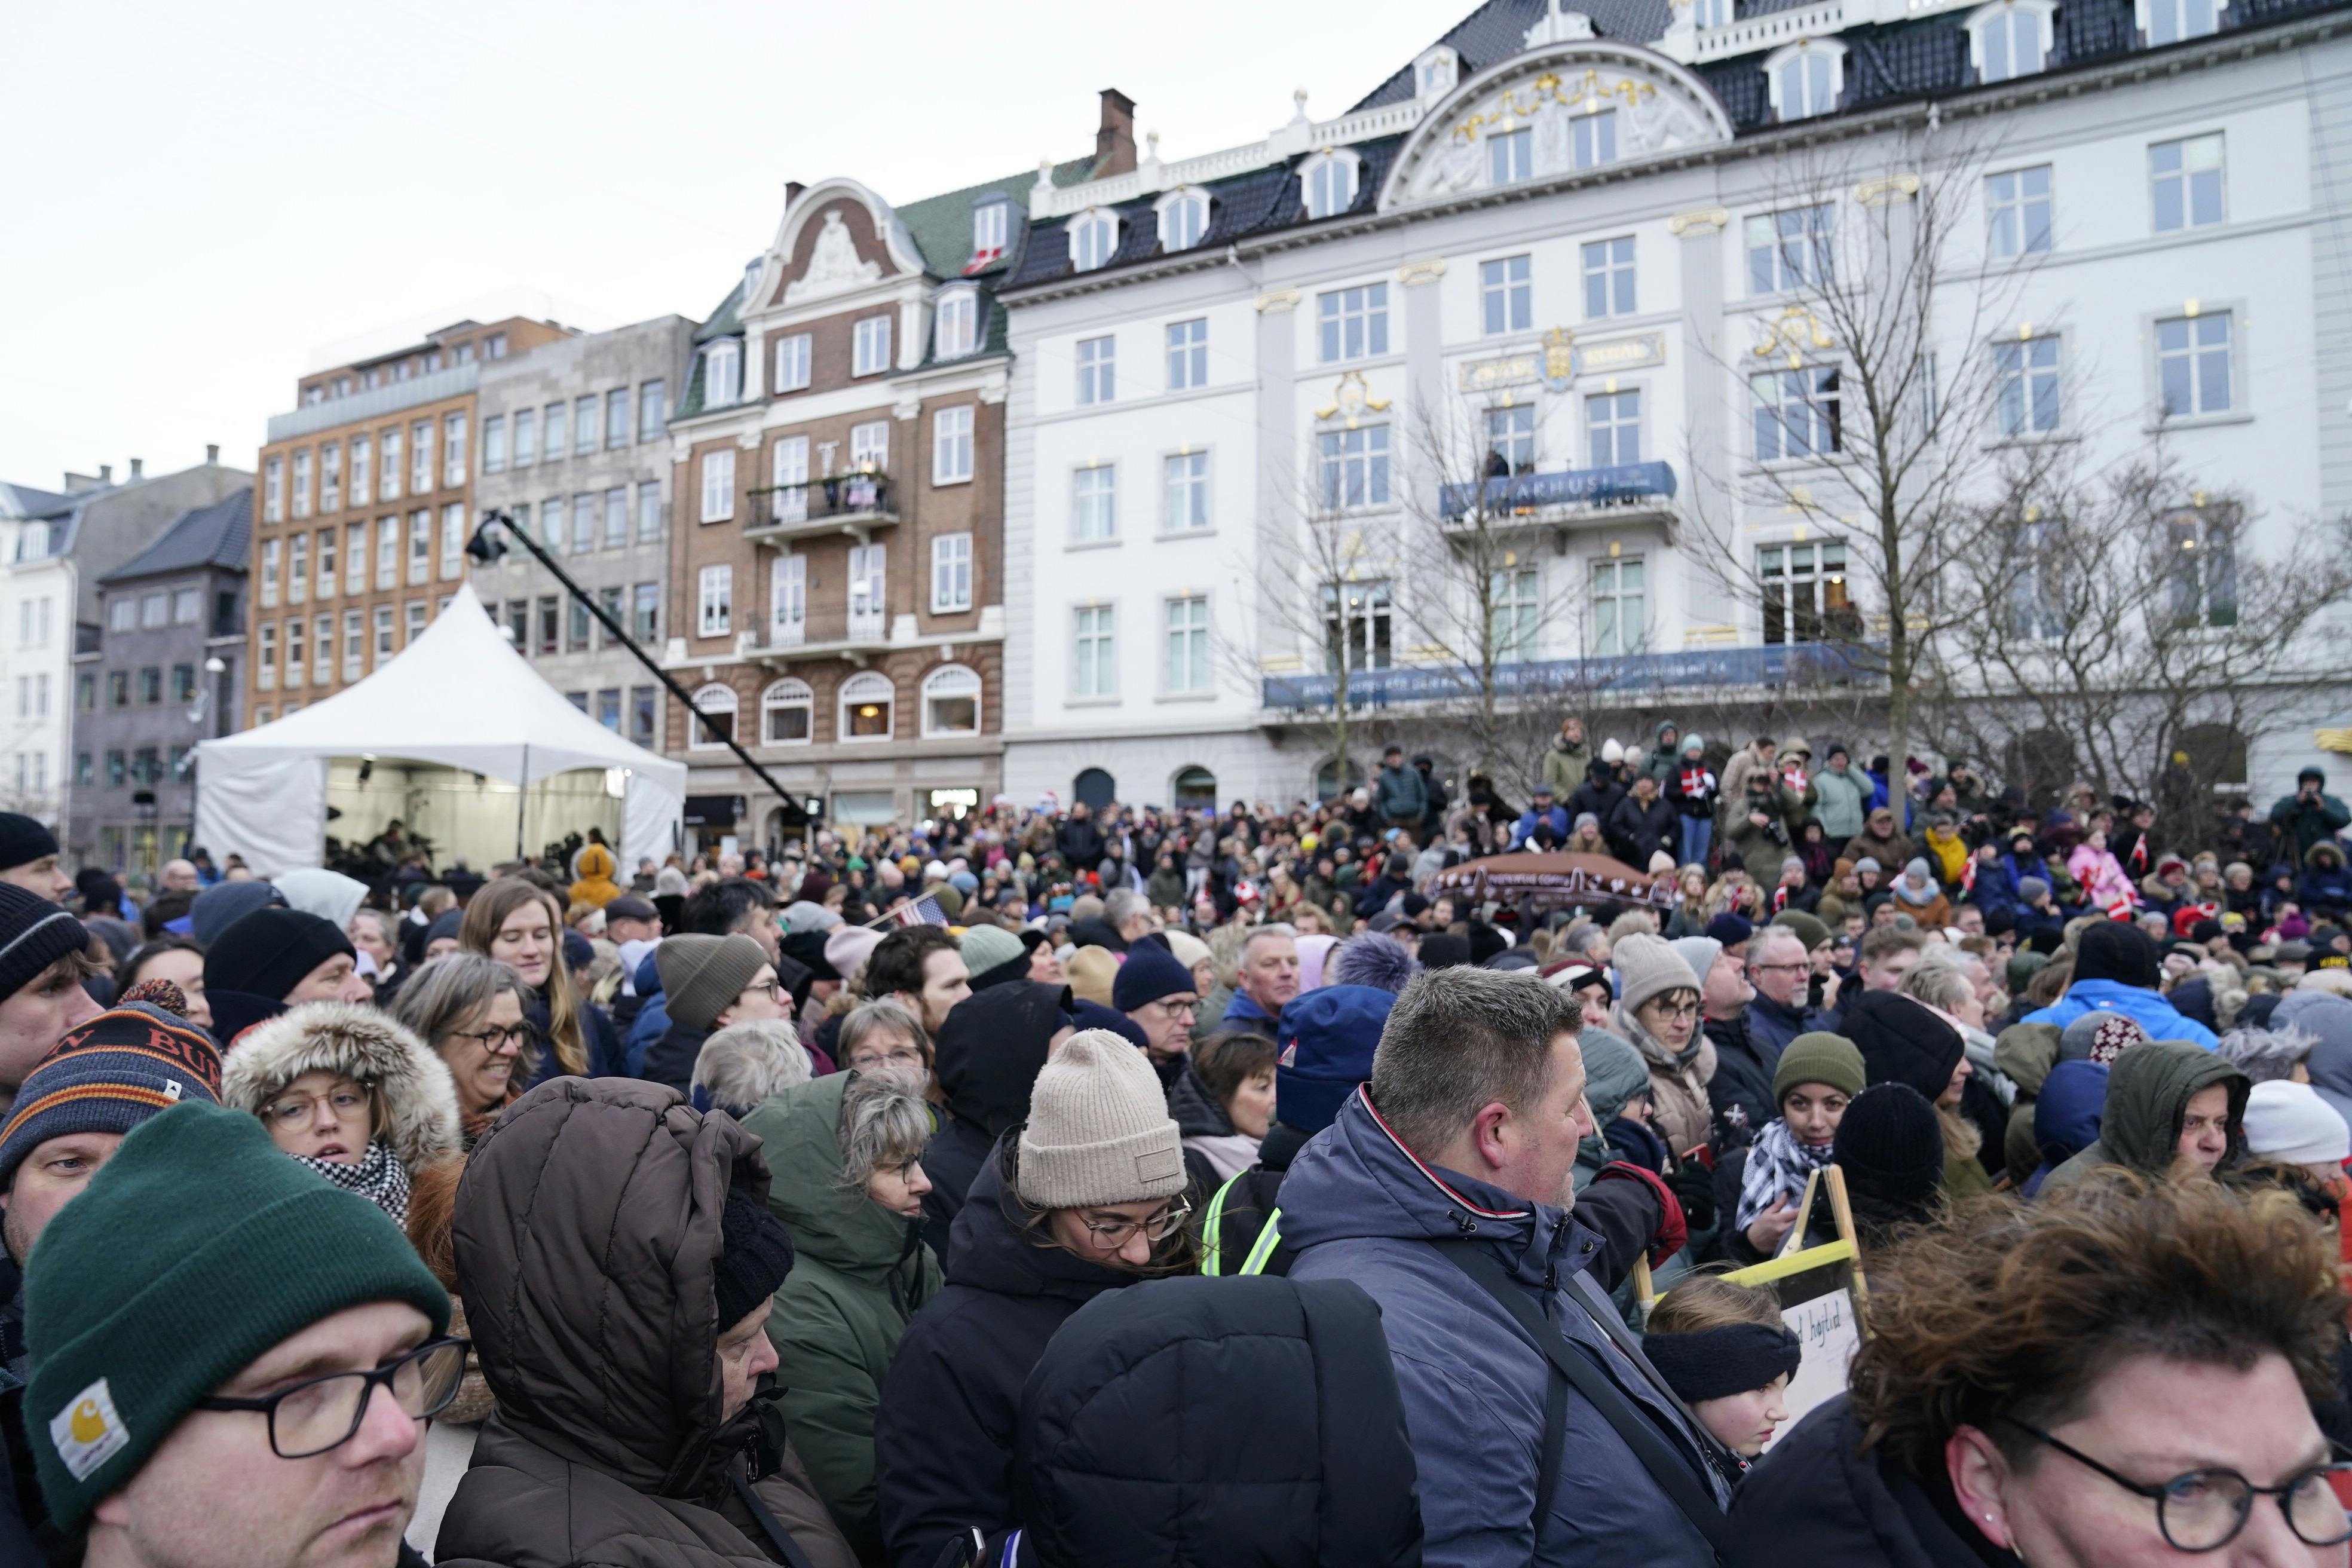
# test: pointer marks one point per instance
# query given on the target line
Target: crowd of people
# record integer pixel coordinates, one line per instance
(1041, 1188)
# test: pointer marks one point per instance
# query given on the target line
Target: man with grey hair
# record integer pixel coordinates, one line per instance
(1129, 913)
(1444, 1190)
(1267, 981)
(1782, 973)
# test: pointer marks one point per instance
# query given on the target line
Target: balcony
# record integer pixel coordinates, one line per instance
(1624, 677)
(1625, 494)
(855, 504)
(853, 634)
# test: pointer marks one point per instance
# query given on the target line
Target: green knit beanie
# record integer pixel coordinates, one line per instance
(1819, 1057)
(192, 1251)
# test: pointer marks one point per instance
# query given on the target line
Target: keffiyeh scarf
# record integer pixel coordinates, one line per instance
(379, 1178)
(1777, 1167)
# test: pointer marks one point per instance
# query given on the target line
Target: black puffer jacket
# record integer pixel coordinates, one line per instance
(1127, 1442)
(943, 1434)
(988, 1053)
(1816, 1501)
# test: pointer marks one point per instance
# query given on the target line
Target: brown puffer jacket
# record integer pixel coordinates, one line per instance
(587, 1237)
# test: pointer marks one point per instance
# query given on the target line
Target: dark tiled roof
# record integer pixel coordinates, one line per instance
(40, 503)
(1498, 29)
(215, 535)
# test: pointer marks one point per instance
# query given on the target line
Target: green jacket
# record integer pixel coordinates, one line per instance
(2148, 1090)
(858, 1273)
(2025, 1053)
(1564, 767)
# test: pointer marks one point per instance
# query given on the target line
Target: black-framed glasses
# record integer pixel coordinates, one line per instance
(322, 1413)
(497, 1037)
(1110, 1235)
(2204, 1509)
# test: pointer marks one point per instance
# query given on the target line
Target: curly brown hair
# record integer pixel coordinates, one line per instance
(1999, 1310)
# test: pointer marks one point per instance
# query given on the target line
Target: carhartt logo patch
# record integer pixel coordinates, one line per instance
(88, 1432)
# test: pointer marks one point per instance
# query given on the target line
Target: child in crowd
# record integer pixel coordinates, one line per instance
(1723, 1348)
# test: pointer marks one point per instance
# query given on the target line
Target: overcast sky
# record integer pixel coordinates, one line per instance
(198, 196)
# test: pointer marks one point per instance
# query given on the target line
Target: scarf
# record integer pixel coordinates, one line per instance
(1917, 899)
(379, 1178)
(1777, 1167)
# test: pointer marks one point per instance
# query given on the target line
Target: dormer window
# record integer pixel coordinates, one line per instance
(1326, 184)
(1435, 74)
(2009, 38)
(992, 229)
(1184, 219)
(956, 329)
(2171, 21)
(1805, 78)
(1094, 238)
(722, 373)
(1712, 13)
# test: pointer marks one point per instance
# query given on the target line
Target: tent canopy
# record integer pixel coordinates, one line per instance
(458, 696)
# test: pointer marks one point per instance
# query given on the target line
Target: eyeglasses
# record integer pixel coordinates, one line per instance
(497, 1037)
(322, 1413)
(1110, 1235)
(2203, 1510)
(343, 1100)
(870, 1058)
(1187, 1005)
(774, 989)
(1675, 1009)
(1781, 968)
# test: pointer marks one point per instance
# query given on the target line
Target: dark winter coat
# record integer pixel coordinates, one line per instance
(1816, 1501)
(1637, 831)
(943, 1436)
(1741, 1092)
(1775, 1025)
(2024, 1054)
(988, 1053)
(1401, 794)
(1599, 794)
(587, 1243)
(2325, 884)
(671, 1060)
(2148, 1089)
(2304, 824)
(1249, 1199)
(1080, 843)
(2066, 1116)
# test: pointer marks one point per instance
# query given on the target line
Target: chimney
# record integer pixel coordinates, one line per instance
(211, 454)
(106, 473)
(137, 467)
(1115, 141)
(793, 189)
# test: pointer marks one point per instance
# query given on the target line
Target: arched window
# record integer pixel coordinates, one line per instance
(1194, 786)
(2009, 38)
(868, 699)
(785, 713)
(1806, 78)
(952, 701)
(1094, 238)
(956, 330)
(716, 727)
(1328, 779)
(1183, 218)
(1326, 184)
(1094, 789)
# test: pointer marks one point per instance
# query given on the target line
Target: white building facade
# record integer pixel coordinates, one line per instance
(1553, 249)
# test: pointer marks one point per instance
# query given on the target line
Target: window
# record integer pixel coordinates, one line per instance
(117, 681)
(326, 571)
(1595, 136)
(952, 701)
(652, 409)
(453, 540)
(551, 523)
(992, 229)
(1188, 354)
(2017, 213)
(788, 472)
(616, 517)
(1715, 13)
(788, 599)
(1186, 484)
(583, 524)
(1183, 220)
(587, 428)
(362, 469)
(870, 346)
(2174, 21)
(714, 721)
(952, 446)
(722, 377)
(154, 609)
(718, 485)
(41, 695)
(556, 420)
(1515, 609)
(2184, 179)
(41, 633)
(85, 770)
(1613, 428)
(1327, 185)
(2026, 386)
(453, 443)
(494, 443)
(866, 701)
(643, 700)
(495, 346)
(958, 327)
(950, 572)
(117, 773)
(1094, 512)
(415, 616)
(577, 618)
(322, 648)
(1510, 156)
(1510, 440)
(1095, 665)
(1790, 249)
(86, 692)
(1355, 625)
(1620, 611)
(608, 708)
(384, 636)
(1505, 295)
(869, 448)
(355, 562)
(616, 418)
(298, 569)
(330, 477)
(420, 452)
(294, 656)
(1353, 322)
(1094, 239)
(420, 547)
(121, 615)
(2007, 40)
(1796, 412)
(302, 483)
(1434, 77)
(1188, 645)
(645, 614)
(268, 575)
(465, 353)
(1355, 466)
(1609, 278)
(1804, 591)
(716, 616)
(792, 361)
(273, 490)
(868, 583)
(151, 685)
(2192, 365)
(518, 626)
(387, 552)
(1805, 78)
(786, 710)
(2204, 555)
(649, 509)
(1097, 369)
(390, 441)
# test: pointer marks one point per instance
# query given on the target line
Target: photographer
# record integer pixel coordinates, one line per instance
(2309, 815)
(1757, 824)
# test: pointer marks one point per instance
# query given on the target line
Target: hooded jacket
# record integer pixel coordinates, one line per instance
(2066, 1118)
(416, 1102)
(594, 870)
(2024, 1053)
(2148, 1089)
(859, 1273)
(1564, 765)
(2307, 824)
(943, 1436)
(1599, 794)
(587, 1240)
(2144, 1008)
(990, 1051)
(1361, 1207)
(1817, 1501)
(1891, 849)
(2325, 884)
(1637, 831)
(1125, 1446)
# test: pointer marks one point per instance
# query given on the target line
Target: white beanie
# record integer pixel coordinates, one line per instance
(1098, 1128)
(2288, 1123)
(1612, 751)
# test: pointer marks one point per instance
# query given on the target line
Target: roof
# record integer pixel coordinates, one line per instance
(1498, 29)
(216, 535)
(24, 500)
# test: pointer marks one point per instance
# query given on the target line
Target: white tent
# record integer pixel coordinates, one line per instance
(459, 698)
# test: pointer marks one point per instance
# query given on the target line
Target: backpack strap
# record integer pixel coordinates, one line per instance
(771, 1526)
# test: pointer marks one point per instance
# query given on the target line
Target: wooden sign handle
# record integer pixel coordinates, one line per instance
(1844, 1212)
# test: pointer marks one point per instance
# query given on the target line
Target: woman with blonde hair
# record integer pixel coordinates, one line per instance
(521, 926)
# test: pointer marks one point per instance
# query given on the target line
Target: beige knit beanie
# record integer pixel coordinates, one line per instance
(1098, 1128)
(1647, 966)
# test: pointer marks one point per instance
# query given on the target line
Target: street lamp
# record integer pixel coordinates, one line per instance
(215, 668)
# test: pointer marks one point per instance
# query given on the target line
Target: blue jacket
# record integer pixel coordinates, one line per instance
(1774, 1025)
(2066, 1116)
(1996, 886)
(1359, 1206)
(2150, 1011)
(652, 1020)
(1557, 815)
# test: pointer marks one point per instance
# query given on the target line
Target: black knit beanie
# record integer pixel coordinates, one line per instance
(23, 840)
(1891, 1146)
(267, 954)
(755, 1254)
(34, 935)
(1902, 1042)
(2116, 950)
(1444, 951)
(1715, 1364)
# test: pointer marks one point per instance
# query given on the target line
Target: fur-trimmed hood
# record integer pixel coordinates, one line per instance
(417, 1099)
